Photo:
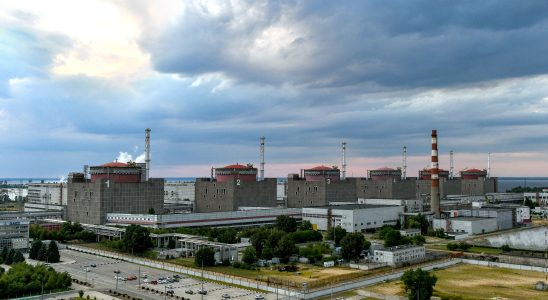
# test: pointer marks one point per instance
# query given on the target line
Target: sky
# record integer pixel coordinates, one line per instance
(81, 80)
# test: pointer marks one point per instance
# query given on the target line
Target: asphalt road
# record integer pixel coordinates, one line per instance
(102, 278)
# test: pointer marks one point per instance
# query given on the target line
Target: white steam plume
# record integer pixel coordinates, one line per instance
(125, 157)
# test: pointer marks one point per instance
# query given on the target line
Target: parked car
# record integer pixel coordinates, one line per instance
(86, 269)
(145, 280)
(170, 287)
(131, 277)
(225, 296)
(154, 282)
(190, 292)
(144, 276)
(170, 292)
(93, 265)
(259, 297)
(202, 292)
(176, 276)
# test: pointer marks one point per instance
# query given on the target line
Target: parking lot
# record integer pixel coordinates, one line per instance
(103, 277)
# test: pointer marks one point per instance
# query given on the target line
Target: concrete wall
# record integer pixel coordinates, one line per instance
(214, 196)
(90, 202)
(302, 193)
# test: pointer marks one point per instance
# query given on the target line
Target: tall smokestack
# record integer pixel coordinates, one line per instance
(261, 171)
(451, 166)
(435, 187)
(147, 153)
(404, 166)
(343, 177)
(489, 165)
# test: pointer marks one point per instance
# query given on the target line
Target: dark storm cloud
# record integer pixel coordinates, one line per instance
(391, 44)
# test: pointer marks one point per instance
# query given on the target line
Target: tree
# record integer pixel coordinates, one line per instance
(250, 255)
(42, 253)
(258, 240)
(394, 238)
(151, 211)
(36, 245)
(418, 221)
(419, 284)
(9, 257)
(228, 236)
(4, 253)
(340, 233)
(286, 247)
(205, 257)
(136, 239)
(286, 223)
(171, 244)
(305, 225)
(18, 257)
(53, 252)
(352, 246)
(529, 203)
(418, 240)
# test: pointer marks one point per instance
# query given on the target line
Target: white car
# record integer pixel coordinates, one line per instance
(145, 280)
(259, 297)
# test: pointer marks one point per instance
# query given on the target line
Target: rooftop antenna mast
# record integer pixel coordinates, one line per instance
(261, 171)
(343, 161)
(147, 153)
(488, 164)
(404, 167)
(451, 167)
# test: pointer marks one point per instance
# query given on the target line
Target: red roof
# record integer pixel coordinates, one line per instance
(321, 168)
(237, 166)
(385, 169)
(473, 170)
(114, 164)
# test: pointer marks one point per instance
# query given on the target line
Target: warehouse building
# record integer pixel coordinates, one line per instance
(468, 225)
(242, 218)
(14, 234)
(234, 186)
(352, 217)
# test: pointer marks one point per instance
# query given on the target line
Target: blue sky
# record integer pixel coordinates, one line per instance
(80, 81)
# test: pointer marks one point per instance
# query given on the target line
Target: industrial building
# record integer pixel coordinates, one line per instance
(114, 188)
(242, 218)
(399, 255)
(234, 186)
(14, 234)
(468, 225)
(352, 217)
(319, 186)
(46, 196)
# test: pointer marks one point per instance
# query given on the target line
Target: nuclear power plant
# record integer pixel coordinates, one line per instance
(122, 193)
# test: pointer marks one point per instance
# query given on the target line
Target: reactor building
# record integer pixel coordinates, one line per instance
(114, 187)
(319, 186)
(234, 187)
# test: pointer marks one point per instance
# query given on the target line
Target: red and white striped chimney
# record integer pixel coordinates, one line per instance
(435, 186)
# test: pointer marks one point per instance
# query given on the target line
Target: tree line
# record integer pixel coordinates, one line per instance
(42, 252)
(11, 256)
(68, 232)
(22, 279)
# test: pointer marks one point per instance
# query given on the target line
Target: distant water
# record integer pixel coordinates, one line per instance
(505, 183)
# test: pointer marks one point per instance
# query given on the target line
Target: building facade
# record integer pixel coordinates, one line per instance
(119, 189)
(232, 187)
(179, 193)
(399, 255)
(14, 234)
(352, 217)
(47, 193)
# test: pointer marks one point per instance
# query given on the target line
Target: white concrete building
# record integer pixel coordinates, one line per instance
(540, 198)
(410, 205)
(353, 217)
(469, 225)
(48, 193)
(14, 234)
(398, 255)
(218, 219)
(523, 214)
(411, 232)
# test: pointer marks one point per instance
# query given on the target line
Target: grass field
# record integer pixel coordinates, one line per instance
(307, 273)
(470, 282)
